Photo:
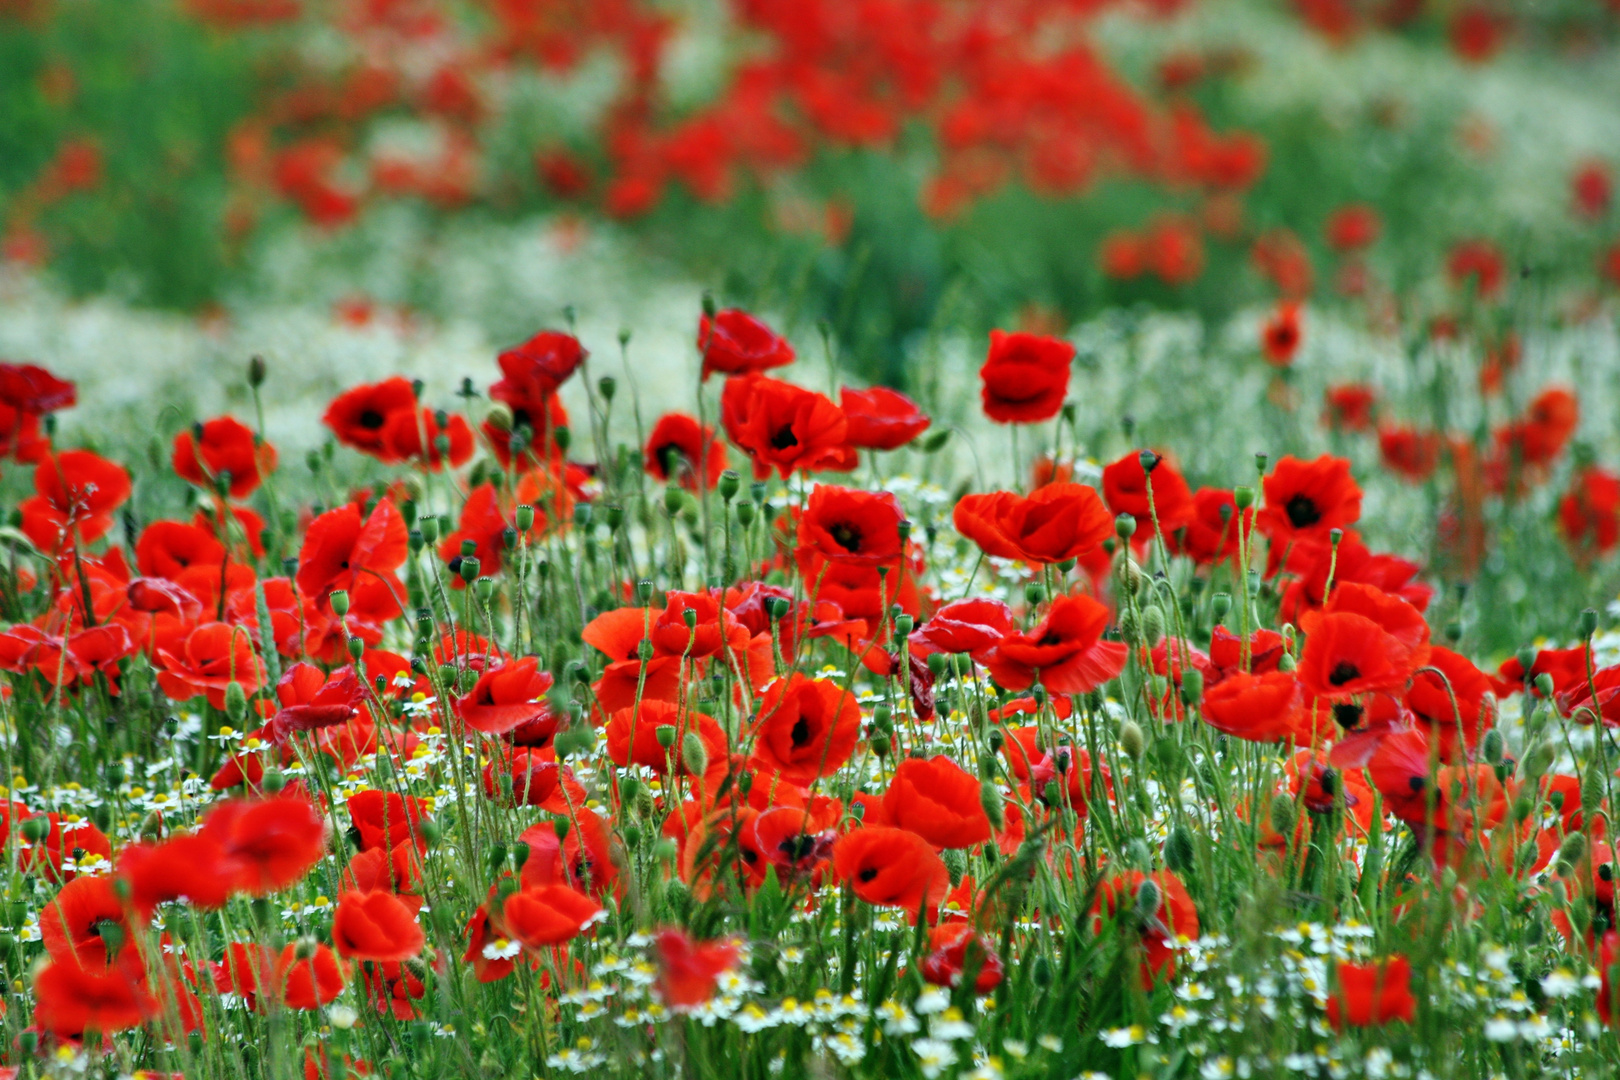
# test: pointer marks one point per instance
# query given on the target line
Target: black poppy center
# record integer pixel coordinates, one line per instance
(1302, 512)
(800, 733)
(784, 437)
(371, 418)
(1051, 637)
(797, 847)
(1347, 715)
(847, 535)
(1343, 672)
(867, 874)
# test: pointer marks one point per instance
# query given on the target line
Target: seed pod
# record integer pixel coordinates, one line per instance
(1573, 849)
(1192, 686)
(1124, 526)
(1220, 604)
(1544, 684)
(665, 734)
(1147, 901)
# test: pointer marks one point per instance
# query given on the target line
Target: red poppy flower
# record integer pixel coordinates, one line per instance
(1210, 534)
(1065, 652)
(529, 441)
(75, 494)
(736, 343)
(1608, 956)
(1058, 522)
(375, 926)
(220, 446)
(31, 389)
(805, 728)
(341, 551)
(70, 925)
(795, 840)
(310, 980)
(1408, 452)
(1392, 612)
(541, 915)
(396, 871)
(535, 369)
(536, 779)
(416, 437)
(165, 548)
(1280, 336)
(618, 634)
(582, 860)
(1174, 917)
(1455, 703)
(785, 427)
(947, 958)
(1548, 423)
(1265, 708)
(1353, 227)
(310, 699)
(1310, 561)
(481, 934)
(1349, 407)
(849, 525)
(66, 661)
(713, 628)
(688, 971)
(1125, 488)
(359, 417)
(890, 867)
(189, 866)
(880, 418)
(207, 660)
(679, 449)
(1566, 667)
(70, 1000)
(1478, 262)
(1308, 498)
(275, 840)
(1025, 376)
(387, 819)
(1373, 993)
(505, 697)
(937, 800)
(1589, 513)
(972, 626)
(1348, 654)
(648, 749)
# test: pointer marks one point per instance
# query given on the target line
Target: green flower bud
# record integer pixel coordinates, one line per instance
(1192, 686)
(1131, 739)
(994, 809)
(235, 702)
(1124, 526)
(694, 754)
(955, 865)
(1283, 816)
(1178, 849)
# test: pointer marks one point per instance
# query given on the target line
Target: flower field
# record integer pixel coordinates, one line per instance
(902, 539)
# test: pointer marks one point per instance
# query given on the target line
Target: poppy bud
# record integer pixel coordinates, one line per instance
(1286, 662)
(665, 850)
(499, 417)
(235, 702)
(903, 625)
(1220, 604)
(990, 800)
(1128, 576)
(563, 438)
(1178, 849)
(608, 385)
(416, 540)
(1523, 807)
(559, 825)
(628, 786)
(1192, 686)
(497, 858)
(1051, 794)
(1152, 625)
(1592, 786)
(431, 832)
(1131, 739)
(273, 781)
(936, 441)
(1038, 692)
(1283, 816)
(1147, 901)
(1538, 760)
(644, 650)
(1492, 747)
(1573, 849)
(1544, 684)
(673, 500)
(1041, 973)
(151, 826)
(1588, 623)
(1527, 659)
(694, 755)
(35, 829)
(1243, 497)
(632, 834)
(1124, 526)
(955, 864)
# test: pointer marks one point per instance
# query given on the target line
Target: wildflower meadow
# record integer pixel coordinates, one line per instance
(1045, 539)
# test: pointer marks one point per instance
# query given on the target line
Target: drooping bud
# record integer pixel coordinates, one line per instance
(1283, 816)
(1492, 747)
(694, 755)
(235, 702)
(990, 799)
(955, 864)
(1131, 739)
(1178, 849)
(1148, 898)
(1152, 625)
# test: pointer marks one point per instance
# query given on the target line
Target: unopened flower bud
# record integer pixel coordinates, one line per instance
(608, 386)
(1131, 739)
(1243, 497)
(694, 754)
(1152, 625)
(1283, 815)
(955, 865)
(1589, 622)
(256, 371)
(235, 702)
(1492, 747)
(1178, 849)
(499, 417)
(1147, 900)
(990, 799)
